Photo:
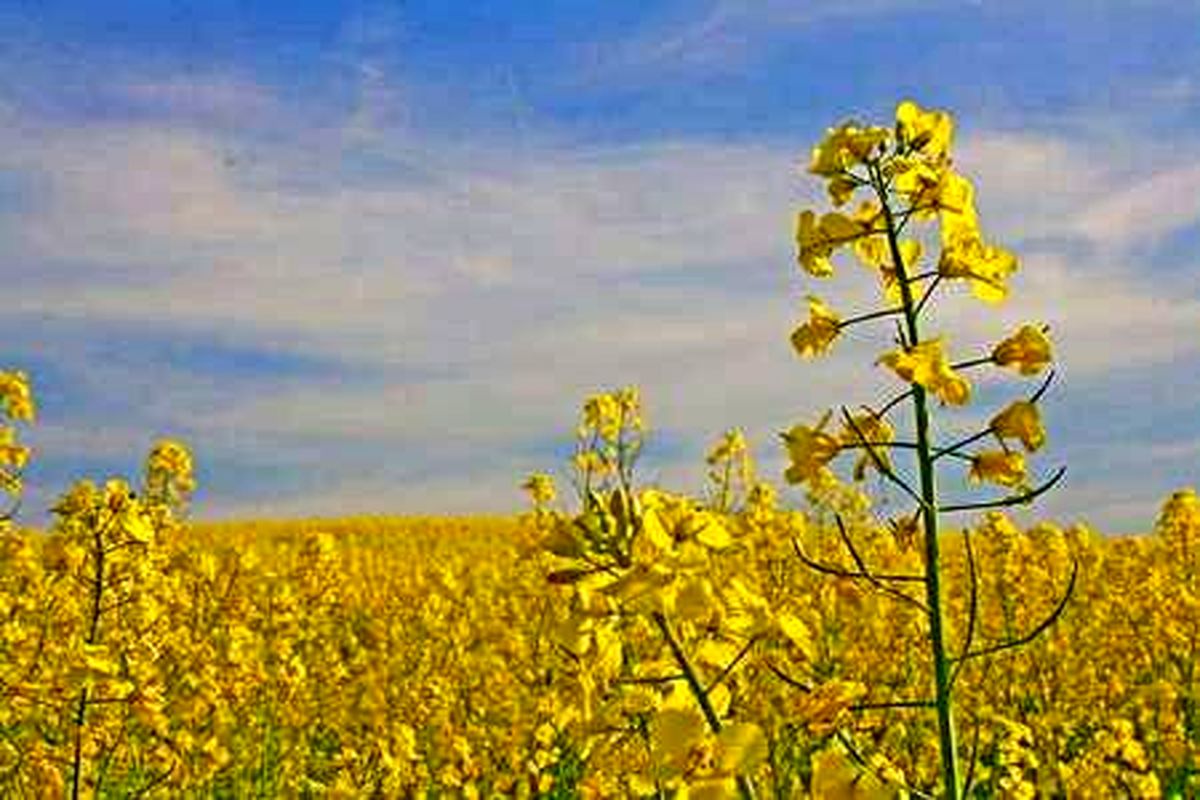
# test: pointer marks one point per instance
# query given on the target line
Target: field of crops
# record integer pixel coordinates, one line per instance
(433, 657)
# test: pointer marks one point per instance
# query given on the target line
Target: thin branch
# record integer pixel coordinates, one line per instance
(887, 312)
(928, 293)
(894, 704)
(890, 404)
(681, 660)
(970, 777)
(842, 573)
(858, 758)
(1037, 631)
(732, 665)
(1014, 500)
(952, 449)
(973, 607)
(1042, 389)
(972, 362)
(788, 679)
(858, 560)
(880, 464)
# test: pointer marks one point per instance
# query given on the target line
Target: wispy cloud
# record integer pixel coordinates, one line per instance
(474, 296)
(721, 35)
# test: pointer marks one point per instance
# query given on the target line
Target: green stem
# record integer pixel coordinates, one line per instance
(933, 590)
(745, 785)
(92, 637)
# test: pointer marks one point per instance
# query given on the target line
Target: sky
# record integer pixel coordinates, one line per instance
(371, 257)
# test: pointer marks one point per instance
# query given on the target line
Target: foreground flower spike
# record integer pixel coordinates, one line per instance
(905, 175)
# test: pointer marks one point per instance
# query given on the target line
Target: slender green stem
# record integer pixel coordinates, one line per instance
(933, 589)
(745, 785)
(886, 312)
(97, 584)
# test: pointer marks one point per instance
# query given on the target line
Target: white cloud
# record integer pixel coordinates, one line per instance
(1143, 213)
(525, 283)
(722, 35)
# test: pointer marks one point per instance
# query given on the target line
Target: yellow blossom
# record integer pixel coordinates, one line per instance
(816, 239)
(926, 365)
(1027, 350)
(540, 488)
(1020, 420)
(966, 256)
(998, 466)
(809, 449)
(15, 396)
(928, 132)
(845, 147)
(814, 337)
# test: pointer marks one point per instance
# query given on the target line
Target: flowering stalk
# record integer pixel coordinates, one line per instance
(909, 172)
(933, 590)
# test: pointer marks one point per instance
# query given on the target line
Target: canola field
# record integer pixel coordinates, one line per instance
(439, 658)
(637, 642)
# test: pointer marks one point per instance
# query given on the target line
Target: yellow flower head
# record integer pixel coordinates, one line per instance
(845, 147)
(809, 449)
(1020, 420)
(814, 337)
(927, 132)
(540, 488)
(926, 365)
(170, 460)
(731, 445)
(15, 396)
(1027, 350)
(998, 466)
(966, 256)
(816, 239)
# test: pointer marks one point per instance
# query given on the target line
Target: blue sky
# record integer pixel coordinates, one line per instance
(370, 258)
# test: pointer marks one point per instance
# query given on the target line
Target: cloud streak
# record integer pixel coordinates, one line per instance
(466, 299)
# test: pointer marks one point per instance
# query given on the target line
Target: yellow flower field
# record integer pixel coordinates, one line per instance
(431, 657)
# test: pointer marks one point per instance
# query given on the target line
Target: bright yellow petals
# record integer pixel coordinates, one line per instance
(1021, 421)
(841, 189)
(540, 488)
(816, 239)
(170, 464)
(809, 449)
(845, 147)
(12, 454)
(917, 180)
(812, 249)
(814, 337)
(927, 132)
(956, 202)
(871, 429)
(16, 397)
(926, 365)
(675, 731)
(987, 267)
(998, 466)
(741, 748)
(1027, 350)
